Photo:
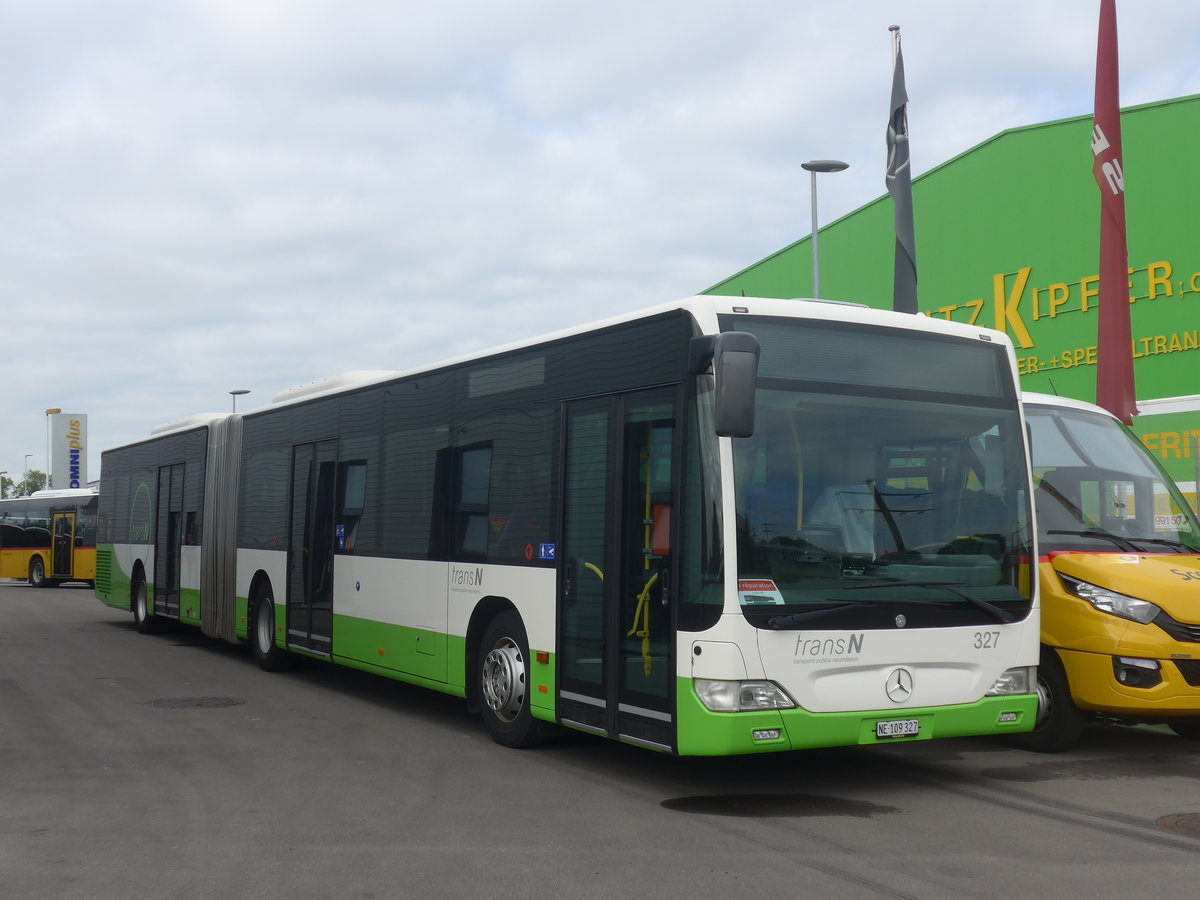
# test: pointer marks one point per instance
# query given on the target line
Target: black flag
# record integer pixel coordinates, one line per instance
(899, 185)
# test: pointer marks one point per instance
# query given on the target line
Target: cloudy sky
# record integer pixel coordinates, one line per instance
(218, 194)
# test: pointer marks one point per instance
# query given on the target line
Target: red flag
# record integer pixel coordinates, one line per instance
(1114, 352)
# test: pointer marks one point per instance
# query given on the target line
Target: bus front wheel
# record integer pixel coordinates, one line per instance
(37, 573)
(270, 657)
(1059, 721)
(502, 677)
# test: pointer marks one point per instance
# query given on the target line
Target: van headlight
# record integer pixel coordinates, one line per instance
(742, 696)
(1110, 601)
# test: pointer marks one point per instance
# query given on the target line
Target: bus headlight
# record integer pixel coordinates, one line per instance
(1014, 681)
(1110, 601)
(742, 696)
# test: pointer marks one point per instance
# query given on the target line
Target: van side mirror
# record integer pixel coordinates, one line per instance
(734, 357)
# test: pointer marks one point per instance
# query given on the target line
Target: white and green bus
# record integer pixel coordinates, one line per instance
(712, 527)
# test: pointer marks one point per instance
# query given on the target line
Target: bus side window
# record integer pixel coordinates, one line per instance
(352, 499)
(471, 495)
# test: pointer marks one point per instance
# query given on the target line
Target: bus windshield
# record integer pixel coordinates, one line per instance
(884, 505)
(1098, 488)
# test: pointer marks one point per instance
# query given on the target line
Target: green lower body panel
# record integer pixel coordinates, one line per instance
(413, 651)
(113, 586)
(189, 606)
(241, 627)
(706, 733)
(542, 686)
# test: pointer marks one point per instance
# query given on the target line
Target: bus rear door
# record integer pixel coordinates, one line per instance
(168, 535)
(310, 547)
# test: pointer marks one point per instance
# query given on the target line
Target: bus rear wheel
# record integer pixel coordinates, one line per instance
(139, 604)
(270, 657)
(502, 678)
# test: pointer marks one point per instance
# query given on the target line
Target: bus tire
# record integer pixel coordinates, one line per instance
(37, 573)
(139, 605)
(502, 679)
(1059, 721)
(269, 656)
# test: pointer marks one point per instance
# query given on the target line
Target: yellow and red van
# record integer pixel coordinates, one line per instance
(1119, 564)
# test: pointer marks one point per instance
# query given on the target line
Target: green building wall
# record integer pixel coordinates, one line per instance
(1007, 236)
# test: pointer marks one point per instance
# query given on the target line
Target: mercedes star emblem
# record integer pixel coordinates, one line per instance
(899, 685)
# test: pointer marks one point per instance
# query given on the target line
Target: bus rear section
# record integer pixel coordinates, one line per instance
(1120, 578)
(152, 514)
(879, 547)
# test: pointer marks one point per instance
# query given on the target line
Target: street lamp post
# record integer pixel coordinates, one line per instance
(25, 477)
(235, 394)
(814, 166)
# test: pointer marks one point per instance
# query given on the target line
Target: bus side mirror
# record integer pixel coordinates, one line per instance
(735, 368)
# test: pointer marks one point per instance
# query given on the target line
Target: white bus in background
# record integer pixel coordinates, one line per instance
(714, 527)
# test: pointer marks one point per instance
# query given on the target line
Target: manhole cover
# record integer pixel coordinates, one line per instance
(194, 702)
(1187, 823)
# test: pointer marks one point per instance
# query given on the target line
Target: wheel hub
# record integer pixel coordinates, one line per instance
(1045, 703)
(264, 630)
(504, 680)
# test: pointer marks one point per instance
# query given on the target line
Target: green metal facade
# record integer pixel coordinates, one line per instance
(1008, 237)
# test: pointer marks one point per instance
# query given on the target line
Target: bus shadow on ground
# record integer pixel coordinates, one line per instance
(768, 806)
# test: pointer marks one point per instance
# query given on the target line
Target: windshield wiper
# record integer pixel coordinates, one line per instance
(779, 622)
(1121, 542)
(1165, 541)
(1002, 615)
(887, 516)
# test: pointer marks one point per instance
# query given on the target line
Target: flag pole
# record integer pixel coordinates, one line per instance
(899, 184)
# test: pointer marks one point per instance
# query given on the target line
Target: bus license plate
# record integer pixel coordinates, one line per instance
(898, 728)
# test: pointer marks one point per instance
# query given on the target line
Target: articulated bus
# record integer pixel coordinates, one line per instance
(713, 527)
(1120, 579)
(49, 537)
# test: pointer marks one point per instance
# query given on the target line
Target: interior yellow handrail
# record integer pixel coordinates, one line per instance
(642, 614)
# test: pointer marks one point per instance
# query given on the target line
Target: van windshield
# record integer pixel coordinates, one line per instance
(1098, 488)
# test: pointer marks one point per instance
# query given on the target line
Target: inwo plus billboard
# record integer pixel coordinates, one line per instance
(68, 450)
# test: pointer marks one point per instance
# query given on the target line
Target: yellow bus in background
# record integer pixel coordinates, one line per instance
(49, 537)
(1119, 563)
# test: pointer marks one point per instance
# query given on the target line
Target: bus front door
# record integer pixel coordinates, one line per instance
(616, 651)
(168, 535)
(310, 547)
(63, 551)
